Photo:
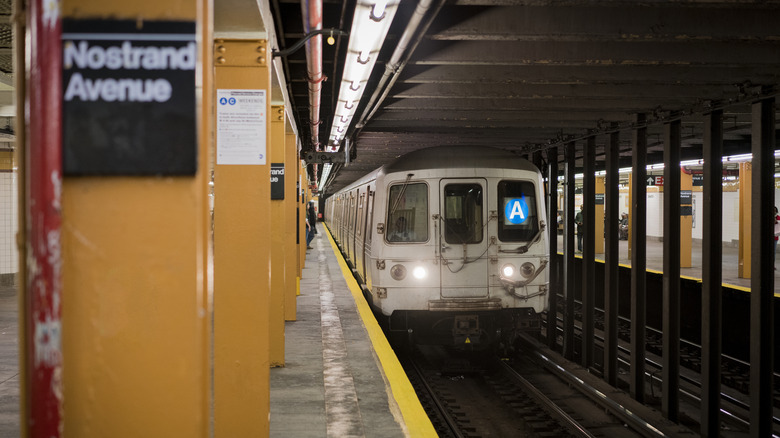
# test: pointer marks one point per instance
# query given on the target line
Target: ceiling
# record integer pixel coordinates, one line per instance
(530, 74)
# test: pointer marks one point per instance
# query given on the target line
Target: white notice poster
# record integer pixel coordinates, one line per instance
(241, 126)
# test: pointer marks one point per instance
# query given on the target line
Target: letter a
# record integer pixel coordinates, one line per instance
(516, 210)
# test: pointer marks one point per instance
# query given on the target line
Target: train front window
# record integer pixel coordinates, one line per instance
(463, 213)
(518, 219)
(407, 213)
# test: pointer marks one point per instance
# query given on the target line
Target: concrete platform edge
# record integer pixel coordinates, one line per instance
(415, 419)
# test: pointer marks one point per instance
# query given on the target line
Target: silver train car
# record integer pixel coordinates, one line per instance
(448, 244)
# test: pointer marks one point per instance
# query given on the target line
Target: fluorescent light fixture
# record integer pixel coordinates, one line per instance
(325, 174)
(741, 157)
(691, 163)
(369, 28)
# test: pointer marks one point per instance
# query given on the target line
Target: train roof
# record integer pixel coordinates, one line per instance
(450, 157)
(453, 157)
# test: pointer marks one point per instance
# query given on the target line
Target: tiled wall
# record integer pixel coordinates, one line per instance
(9, 261)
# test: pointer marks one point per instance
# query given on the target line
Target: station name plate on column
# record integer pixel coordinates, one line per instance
(241, 126)
(129, 97)
(277, 181)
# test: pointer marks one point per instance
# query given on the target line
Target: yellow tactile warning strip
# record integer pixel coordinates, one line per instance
(417, 422)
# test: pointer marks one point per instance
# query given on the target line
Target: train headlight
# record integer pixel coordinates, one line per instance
(398, 272)
(419, 272)
(527, 270)
(508, 270)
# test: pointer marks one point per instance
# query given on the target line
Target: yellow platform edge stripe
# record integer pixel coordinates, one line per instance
(417, 422)
(685, 277)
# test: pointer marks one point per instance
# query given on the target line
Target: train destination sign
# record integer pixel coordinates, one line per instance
(129, 97)
(516, 211)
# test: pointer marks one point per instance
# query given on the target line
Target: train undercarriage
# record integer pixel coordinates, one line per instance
(482, 330)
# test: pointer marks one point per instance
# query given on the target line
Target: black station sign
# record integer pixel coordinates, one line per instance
(128, 91)
(277, 181)
(686, 197)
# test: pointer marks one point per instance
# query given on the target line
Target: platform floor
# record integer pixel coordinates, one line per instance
(9, 363)
(341, 378)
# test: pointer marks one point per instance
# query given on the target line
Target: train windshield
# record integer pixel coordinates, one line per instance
(518, 219)
(407, 213)
(463, 213)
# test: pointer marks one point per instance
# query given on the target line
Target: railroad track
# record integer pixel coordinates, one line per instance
(479, 395)
(735, 373)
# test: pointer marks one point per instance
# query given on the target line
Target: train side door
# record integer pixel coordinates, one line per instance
(367, 235)
(462, 238)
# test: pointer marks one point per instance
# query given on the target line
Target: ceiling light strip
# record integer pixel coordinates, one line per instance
(369, 28)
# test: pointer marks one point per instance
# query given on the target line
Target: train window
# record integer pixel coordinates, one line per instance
(407, 213)
(463, 213)
(518, 220)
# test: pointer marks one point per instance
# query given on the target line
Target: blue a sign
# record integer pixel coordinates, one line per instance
(516, 211)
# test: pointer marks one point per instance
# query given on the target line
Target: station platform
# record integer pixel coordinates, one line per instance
(655, 262)
(341, 378)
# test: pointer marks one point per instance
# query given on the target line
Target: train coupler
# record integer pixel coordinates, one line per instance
(465, 330)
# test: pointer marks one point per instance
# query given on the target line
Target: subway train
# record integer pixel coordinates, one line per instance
(449, 245)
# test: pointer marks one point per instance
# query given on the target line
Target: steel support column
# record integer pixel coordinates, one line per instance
(291, 226)
(552, 221)
(242, 200)
(762, 282)
(277, 240)
(638, 218)
(612, 195)
(588, 249)
(42, 293)
(137, 308)
(671, 267)
(712, 251)
(569, 282)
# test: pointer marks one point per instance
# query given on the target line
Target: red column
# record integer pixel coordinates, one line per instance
(43, 114)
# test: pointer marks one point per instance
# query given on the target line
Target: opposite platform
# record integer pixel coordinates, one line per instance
(341, 378)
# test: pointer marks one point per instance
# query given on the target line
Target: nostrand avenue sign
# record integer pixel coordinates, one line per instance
(129, 97)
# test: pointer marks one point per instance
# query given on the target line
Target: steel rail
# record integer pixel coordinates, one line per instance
(451, 423)
(735, 417)
(575, 427)
(620, 411)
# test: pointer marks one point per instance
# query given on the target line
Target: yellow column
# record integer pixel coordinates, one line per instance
(241, 247)
(278, 239)
(206, 159)
(745, 207)
(290, 227)
(135, 307)
(599, 212)
(686, 222)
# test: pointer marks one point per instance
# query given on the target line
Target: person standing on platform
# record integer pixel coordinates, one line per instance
(311, 221)
(308, 232)
(578, 220)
